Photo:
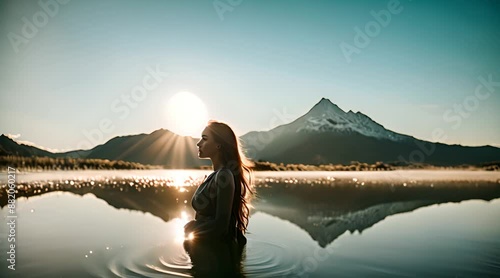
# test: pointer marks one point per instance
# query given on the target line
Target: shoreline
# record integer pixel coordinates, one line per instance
(418, 175)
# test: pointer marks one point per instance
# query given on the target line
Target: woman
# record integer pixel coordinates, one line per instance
(221, 202)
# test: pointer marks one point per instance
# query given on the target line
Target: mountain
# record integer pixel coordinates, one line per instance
(161, 147)
(11, 147)
(327, 134)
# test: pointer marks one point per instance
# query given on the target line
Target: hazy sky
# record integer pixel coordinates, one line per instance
(254, 64)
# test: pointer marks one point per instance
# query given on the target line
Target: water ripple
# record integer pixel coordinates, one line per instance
(152, 263)
(260, 258)
(266, 259)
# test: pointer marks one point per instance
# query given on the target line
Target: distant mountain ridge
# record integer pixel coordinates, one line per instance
(161, 147)
(325, 134)
(9, 146)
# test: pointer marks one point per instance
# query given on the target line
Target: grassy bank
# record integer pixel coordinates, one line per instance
(36, 163)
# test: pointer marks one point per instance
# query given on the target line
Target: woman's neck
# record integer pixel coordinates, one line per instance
(217, 163)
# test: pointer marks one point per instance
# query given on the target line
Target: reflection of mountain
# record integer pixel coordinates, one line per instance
(326, 213)
(323, 211)
(167, 203)
(325, 229)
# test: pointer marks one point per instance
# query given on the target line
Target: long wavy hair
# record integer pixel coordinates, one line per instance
(235, 160)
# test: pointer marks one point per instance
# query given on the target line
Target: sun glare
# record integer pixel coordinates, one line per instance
(179, 228)
(186, 114)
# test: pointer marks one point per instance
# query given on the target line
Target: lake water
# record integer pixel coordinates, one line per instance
(307, 224)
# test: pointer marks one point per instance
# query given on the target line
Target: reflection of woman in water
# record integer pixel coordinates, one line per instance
(221, 201)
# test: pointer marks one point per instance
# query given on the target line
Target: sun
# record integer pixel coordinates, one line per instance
(186, 114)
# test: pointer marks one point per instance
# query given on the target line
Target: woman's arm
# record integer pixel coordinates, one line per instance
(224, 181)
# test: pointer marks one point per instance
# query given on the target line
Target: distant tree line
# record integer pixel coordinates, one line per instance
(35, 163)
(361, 166)
(354, 166)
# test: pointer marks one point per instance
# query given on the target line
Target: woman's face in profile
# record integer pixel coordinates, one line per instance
(207, 147)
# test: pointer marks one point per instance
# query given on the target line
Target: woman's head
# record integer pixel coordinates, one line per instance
(219, 142)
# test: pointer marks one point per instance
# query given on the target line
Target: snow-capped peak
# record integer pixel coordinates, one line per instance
(326, 107)
(326, 116)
